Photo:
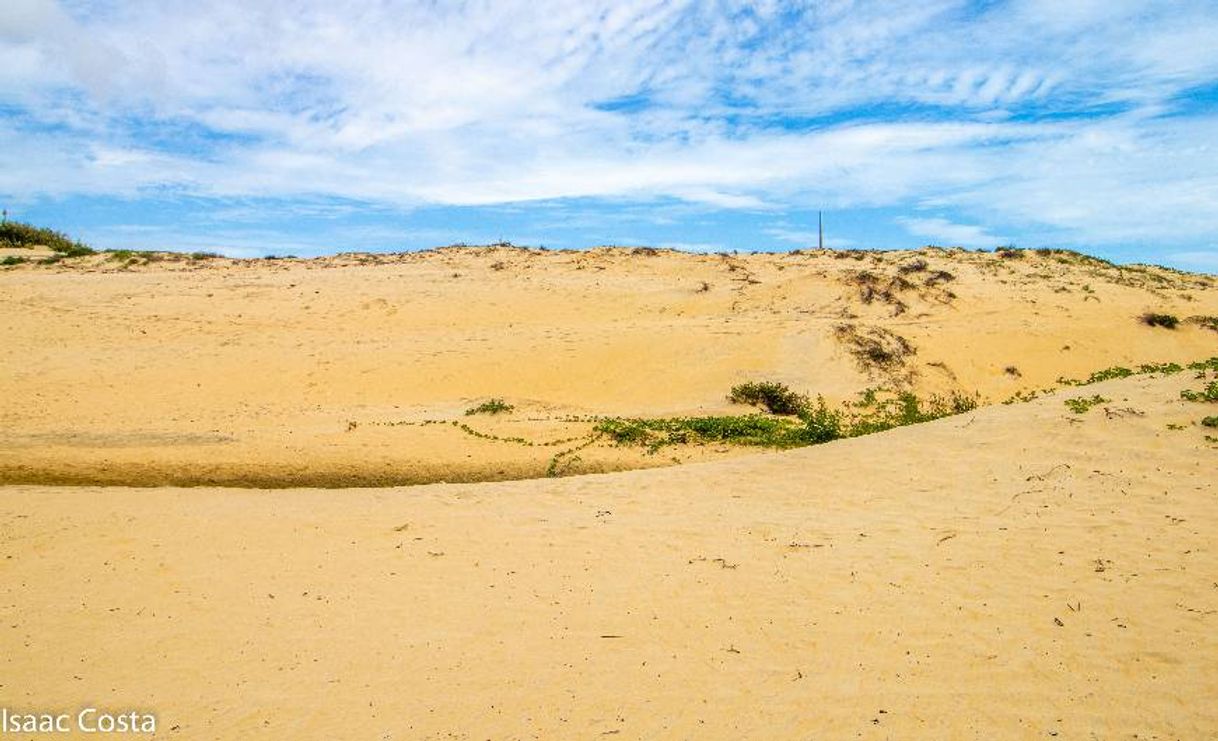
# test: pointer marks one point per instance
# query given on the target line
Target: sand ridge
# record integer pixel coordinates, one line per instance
(333, 371)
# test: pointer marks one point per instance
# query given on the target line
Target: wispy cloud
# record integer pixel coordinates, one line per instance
(1087, 122)
(945, 233)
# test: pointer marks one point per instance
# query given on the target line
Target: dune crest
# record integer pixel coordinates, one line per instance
(358, 369)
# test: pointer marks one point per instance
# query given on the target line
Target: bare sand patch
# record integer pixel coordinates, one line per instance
(1016, 572)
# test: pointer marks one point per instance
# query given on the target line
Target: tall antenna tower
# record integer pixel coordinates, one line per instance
(820, 227)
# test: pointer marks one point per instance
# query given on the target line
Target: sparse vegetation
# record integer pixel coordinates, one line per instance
(849, 254)
(874, 288)
(1107, 374)
(1081, 404)
(20, 235)
(915, 266)
(875, 348)
(13, 260)
(774, 397)
(1022, 396)
(491, 406)
(939, 276)
(1166, 369)
(1167, 321)
(814, 424)
(1209, 422)
(1208, 394)
(1206, 322)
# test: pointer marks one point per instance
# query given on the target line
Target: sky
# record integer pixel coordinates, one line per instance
(321, 126)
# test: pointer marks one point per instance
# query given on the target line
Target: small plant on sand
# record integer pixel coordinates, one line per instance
(1167, 321)
(774, 397)
(1107, 374)
(491, 406)
(1209, 422)
(1022, 396)
(1208, 394)
(1165, 369)
(939, 276)
(12, 260)
(874, 348)
(876, 413)
(1081, 404)
(1206, 322)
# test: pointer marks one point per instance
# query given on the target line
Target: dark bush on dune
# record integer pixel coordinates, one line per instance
(774, 397)
(1167, 321)
(17, 234)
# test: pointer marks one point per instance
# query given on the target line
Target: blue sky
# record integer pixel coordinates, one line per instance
(253, 127)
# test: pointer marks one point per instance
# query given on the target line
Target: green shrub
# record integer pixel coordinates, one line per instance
(1082, 404)
(492, 406)
(17, 234)
(1107, 374)
(775, 397)
(1209, 393)
(820, 424)
(817, 423)
(1167, 321)
(906, 408)
(13, 260)
(750, 429)
(1209, 422)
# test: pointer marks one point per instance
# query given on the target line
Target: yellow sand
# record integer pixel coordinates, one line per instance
(1016, 572)
(323, 372)
(1019, 571)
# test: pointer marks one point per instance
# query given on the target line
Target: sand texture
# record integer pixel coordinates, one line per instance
(357, 370)
(1019, 571)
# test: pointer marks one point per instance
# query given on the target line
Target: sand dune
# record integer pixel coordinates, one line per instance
(1019, 571)
(334, 371)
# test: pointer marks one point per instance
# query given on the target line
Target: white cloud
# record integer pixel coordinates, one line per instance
(1196, 260)
(947, 234)
(403, 103)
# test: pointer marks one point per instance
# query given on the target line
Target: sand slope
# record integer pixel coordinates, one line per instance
(323, 372)
(1017, 572)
